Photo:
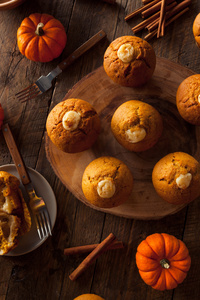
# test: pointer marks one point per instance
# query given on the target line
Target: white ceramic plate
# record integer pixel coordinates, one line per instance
(30, 241)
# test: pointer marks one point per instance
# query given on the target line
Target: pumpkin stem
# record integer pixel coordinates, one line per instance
(39, 31)
(165, 263)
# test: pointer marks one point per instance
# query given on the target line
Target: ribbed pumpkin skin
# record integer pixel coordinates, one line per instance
(42, 48)
(155, 248)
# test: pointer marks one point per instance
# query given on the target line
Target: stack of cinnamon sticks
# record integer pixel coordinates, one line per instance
(158, 14)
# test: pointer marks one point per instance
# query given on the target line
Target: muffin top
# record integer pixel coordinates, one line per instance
(176, 178)
(188, 99)
(73, 125)
(107, 182)
(136, 125)
(129, 61)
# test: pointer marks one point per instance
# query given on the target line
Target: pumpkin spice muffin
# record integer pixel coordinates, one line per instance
(73, 125)
(107, 182)
(176, 178)
(196, 29)
(136, 125)
(188, 99)
(129, 61)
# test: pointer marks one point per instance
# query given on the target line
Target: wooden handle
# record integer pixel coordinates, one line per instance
(82, 49)
(16, 156)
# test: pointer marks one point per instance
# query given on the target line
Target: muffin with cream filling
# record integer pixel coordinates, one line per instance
(73, 125)
(107, 182)
(176, 178)
(129, 61)
(136, 125)
(188, 99)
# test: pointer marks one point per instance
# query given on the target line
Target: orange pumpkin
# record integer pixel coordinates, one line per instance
(163, 261)
(1, 115)
(41, 37)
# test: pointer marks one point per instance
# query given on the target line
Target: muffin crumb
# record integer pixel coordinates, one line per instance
(129, 61)
(107, 182)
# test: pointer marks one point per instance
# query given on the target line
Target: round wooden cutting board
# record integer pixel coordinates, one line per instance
(106, 96)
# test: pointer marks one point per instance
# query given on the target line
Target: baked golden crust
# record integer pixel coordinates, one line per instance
(136, 72)
(14, 214)
(188, 99)
(9, 185)
(133, 116)
(196, 29)
(9, 229)
(168, 169)
(107, 168)
(79, 139)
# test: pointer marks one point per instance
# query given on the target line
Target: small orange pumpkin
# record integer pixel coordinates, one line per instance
(1, 115)
(163, 261)
(41, 37)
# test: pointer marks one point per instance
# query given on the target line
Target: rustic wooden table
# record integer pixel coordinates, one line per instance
(44, 272)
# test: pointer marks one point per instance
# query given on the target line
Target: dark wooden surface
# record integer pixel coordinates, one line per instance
(43, 273)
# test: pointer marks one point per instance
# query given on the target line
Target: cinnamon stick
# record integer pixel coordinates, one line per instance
(162, 17)
(144, 23)
(150, 21)
(172, 12)
(169, 7)
(162, 29)
(153, 33)
(91, 257)
(150, 35)
(139, 10)
(89, 248)
(154, 8)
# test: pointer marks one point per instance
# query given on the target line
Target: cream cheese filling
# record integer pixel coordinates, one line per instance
(71, 120)
(135, 136)
(183, 181)
(106, 188)
(126, 53)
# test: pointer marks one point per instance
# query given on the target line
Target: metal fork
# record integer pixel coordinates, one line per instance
(36, 204)
(41, 216)
(44, 83)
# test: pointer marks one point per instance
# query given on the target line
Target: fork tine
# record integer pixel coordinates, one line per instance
(40, 224)
(25, 99)
(24, 90)
(32, 88)
(29, 93)
(44, 224)
(47, 221)
(38, 227)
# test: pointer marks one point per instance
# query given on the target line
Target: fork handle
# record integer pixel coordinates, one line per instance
(16, 156)
(82, 49)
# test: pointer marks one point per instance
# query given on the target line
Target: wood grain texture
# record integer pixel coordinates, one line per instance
(43, 273)
(106, 96)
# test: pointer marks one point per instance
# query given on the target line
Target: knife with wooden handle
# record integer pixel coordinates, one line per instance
(16, 156)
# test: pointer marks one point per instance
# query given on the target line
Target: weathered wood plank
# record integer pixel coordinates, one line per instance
(43, 274)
